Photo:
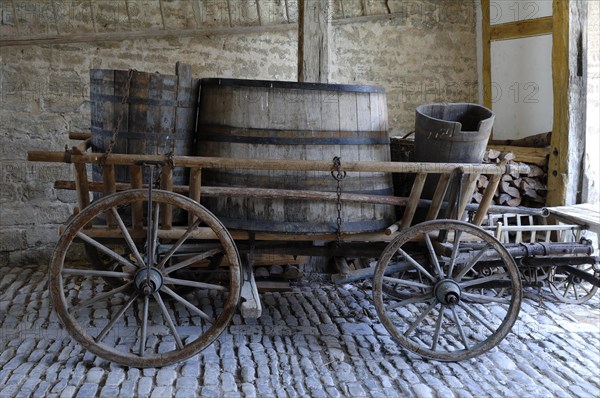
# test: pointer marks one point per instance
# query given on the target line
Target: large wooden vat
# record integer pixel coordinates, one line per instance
(158, 116)
(288, 120)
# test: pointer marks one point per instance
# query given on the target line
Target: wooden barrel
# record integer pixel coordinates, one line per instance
(289, 120)
(158, 116)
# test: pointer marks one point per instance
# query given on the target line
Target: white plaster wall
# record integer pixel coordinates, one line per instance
(504, 11)
(522, 86)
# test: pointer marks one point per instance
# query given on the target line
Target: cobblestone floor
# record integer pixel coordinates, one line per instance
(318, 341)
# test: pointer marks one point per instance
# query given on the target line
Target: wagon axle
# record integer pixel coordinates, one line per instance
(447, 292)
(148, 281)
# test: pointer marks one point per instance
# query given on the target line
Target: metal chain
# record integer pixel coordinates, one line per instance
(124, 100)
(338, 175)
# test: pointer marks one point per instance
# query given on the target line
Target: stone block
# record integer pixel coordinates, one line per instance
(12, 239)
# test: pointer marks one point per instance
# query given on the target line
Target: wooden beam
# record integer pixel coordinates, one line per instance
(27, 40)
(520, 29)
(487, 54)
(314, 28)
(569, 89)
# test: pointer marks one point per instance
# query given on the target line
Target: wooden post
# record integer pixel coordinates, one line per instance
(314, 28)
(195, 188)
(565, 164)
(486, 54)
(415, 195)
(486, 200)
(81, 182)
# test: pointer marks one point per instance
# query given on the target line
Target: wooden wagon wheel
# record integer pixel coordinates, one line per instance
(143, 321)
(443, 305)
(570, 288)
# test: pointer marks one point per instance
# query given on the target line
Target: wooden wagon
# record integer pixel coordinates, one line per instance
(146, 276)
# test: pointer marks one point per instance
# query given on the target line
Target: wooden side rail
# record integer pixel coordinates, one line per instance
(458, 177)
(261, 164)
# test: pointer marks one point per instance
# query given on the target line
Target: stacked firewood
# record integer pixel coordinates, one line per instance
(514, 189)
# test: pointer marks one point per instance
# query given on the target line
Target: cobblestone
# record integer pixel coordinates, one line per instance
(314, 341)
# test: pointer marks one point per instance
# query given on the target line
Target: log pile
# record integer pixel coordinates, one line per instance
(519, 190)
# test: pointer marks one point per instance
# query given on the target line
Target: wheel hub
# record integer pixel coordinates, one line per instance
(148, 281)
(447, 292)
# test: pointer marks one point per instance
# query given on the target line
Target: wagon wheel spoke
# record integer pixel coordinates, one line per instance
(128, 238)
(486, 279)
(457, 236)
(168, 319)
(109, 252)
(191, 261)
(178, 244)
(407, 283)
(477, 316)
(474, 262)
(187, 304)
(155, 226)
(438, 328)
(480, 298)
(433, 256)
(144, 326)
(92, 272)
(102, 296)
(415, 264)
(461, 332)
(420, 318)
(115, 318)
(199, 285)
(575, 291)
(417, 299)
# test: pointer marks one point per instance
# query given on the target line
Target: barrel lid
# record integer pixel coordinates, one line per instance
(290, 85)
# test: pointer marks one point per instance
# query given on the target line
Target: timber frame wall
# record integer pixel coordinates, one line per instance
(567, 25)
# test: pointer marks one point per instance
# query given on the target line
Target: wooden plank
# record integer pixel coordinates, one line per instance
(520, 29)
(313, 40)
(587, 214)
(137, 211)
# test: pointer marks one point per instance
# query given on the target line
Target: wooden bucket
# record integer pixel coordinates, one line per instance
(158, 117)
(446, 133)
(450, 133)
(289, 120)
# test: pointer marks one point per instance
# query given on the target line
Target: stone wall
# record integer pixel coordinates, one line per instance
(420, 51)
